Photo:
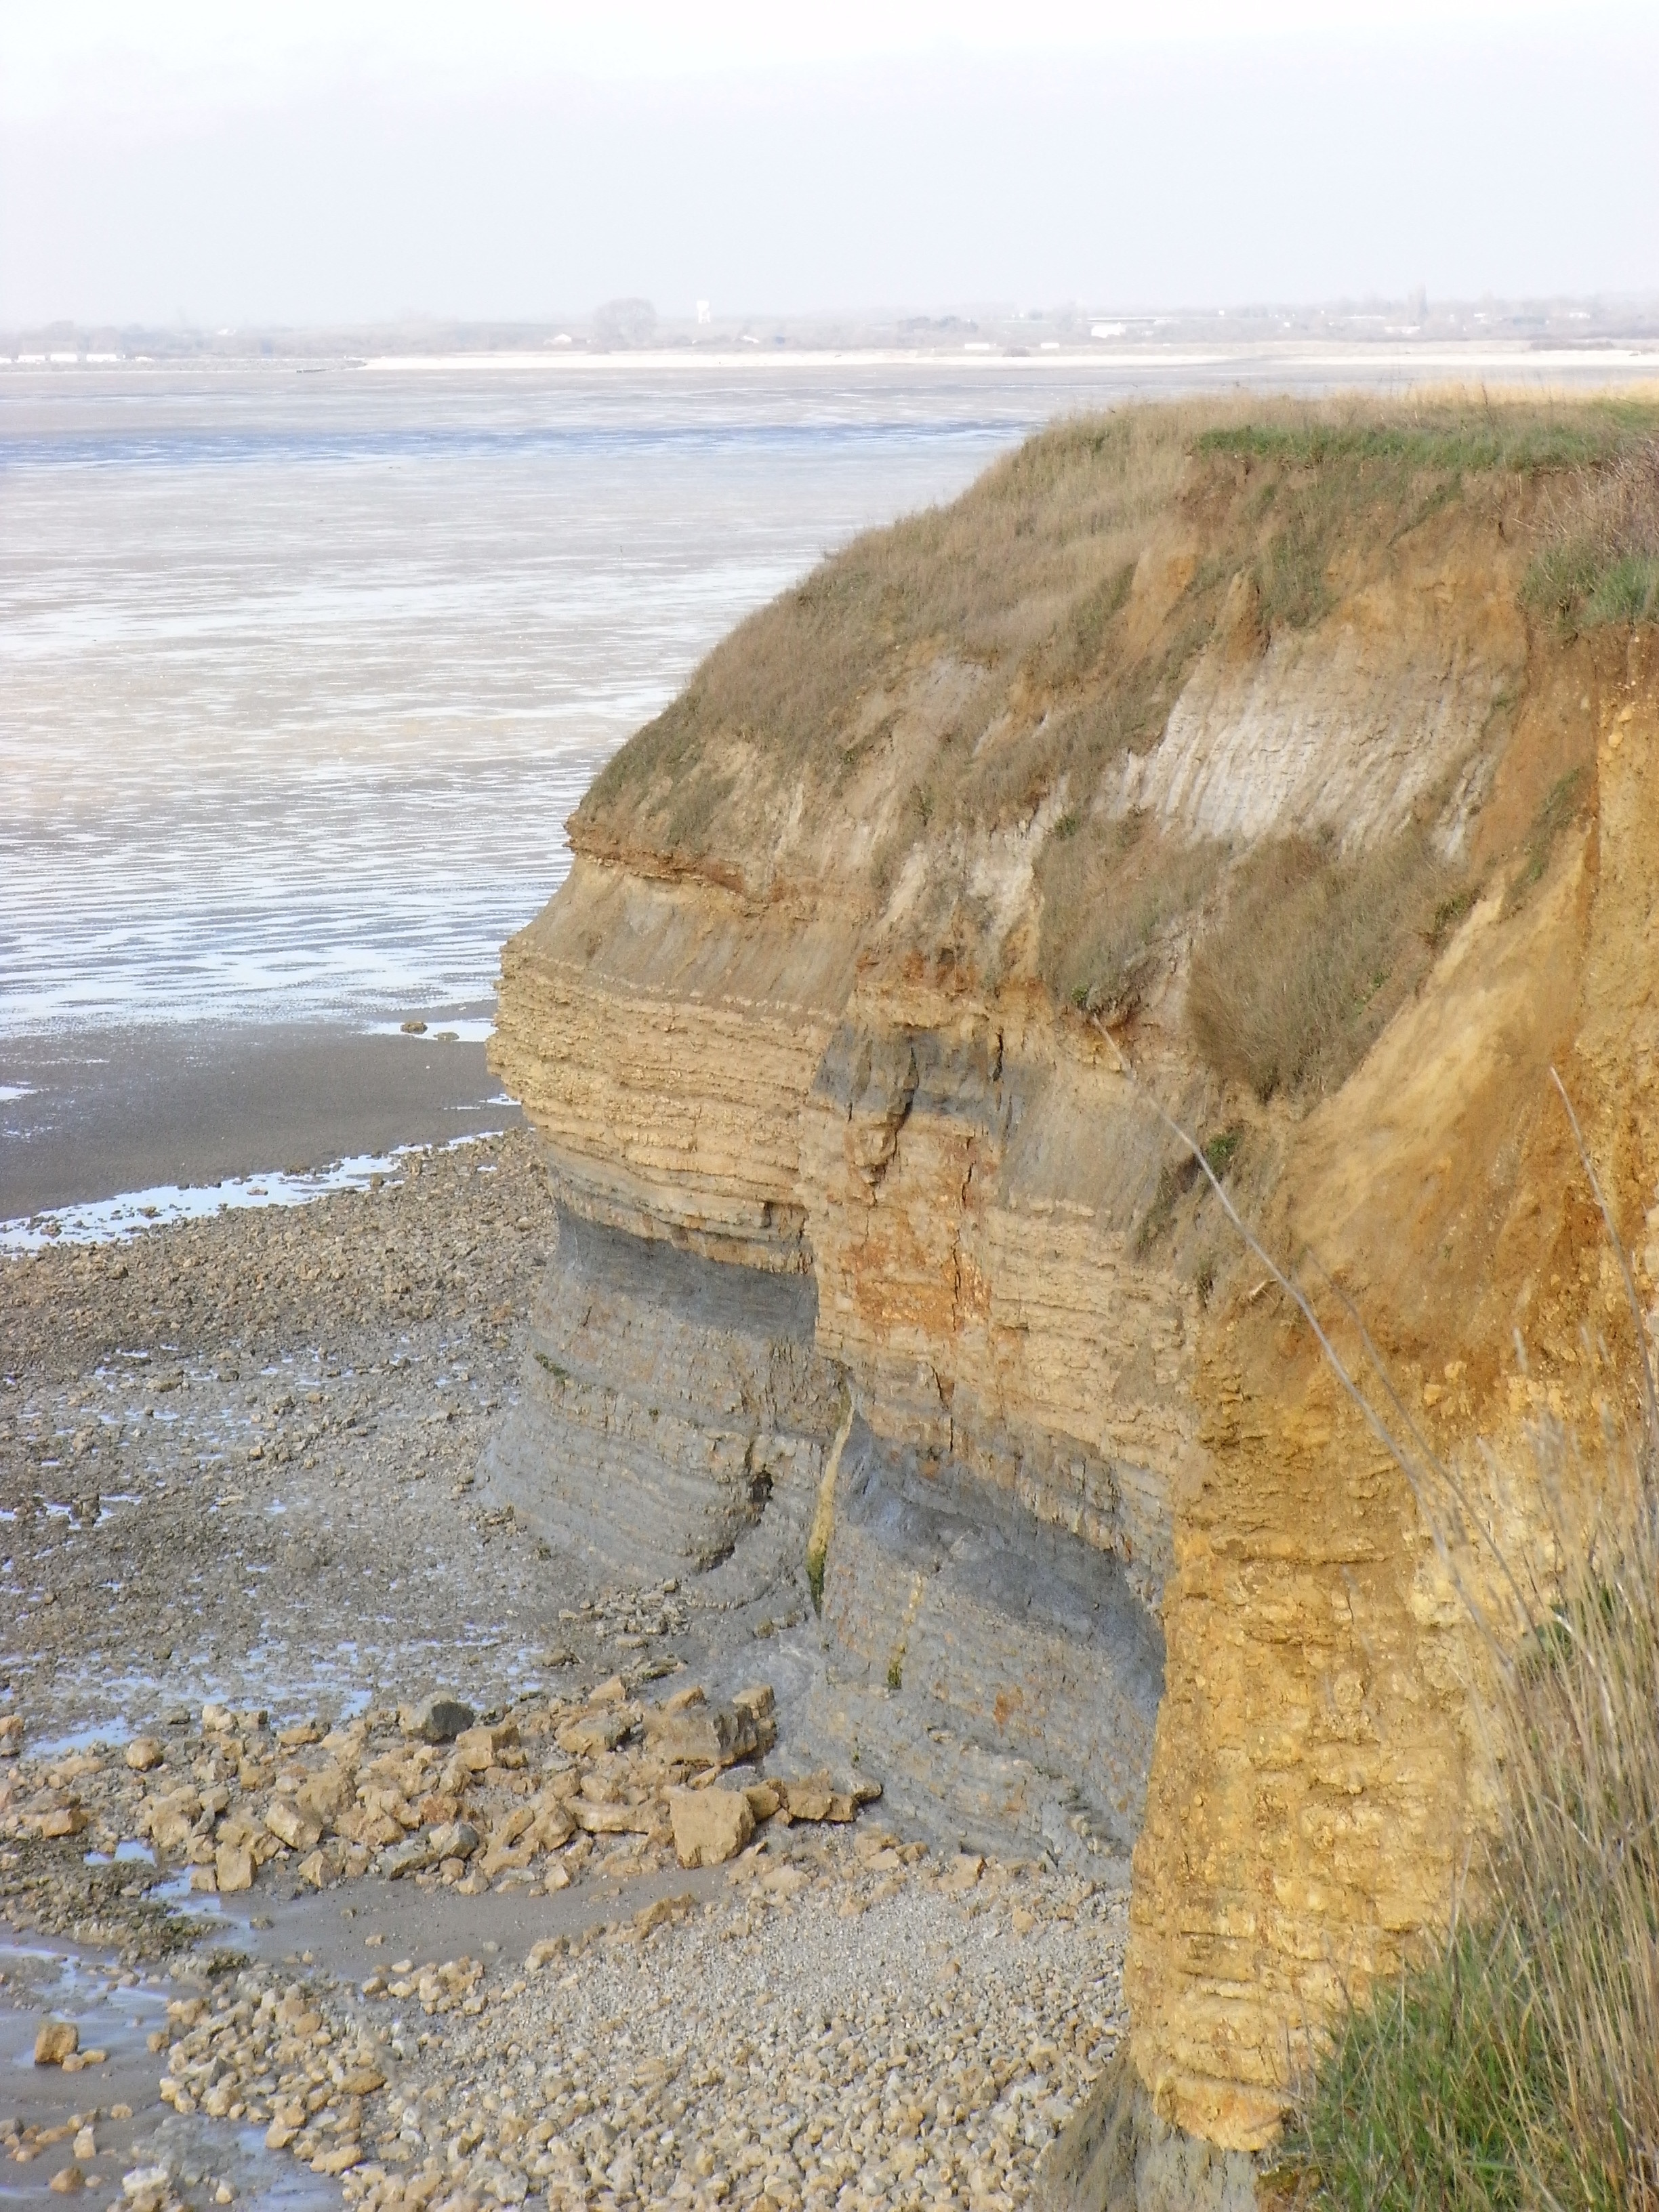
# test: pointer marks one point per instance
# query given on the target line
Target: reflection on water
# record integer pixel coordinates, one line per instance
(116, 2008)
(131, 1213)
(300, 675)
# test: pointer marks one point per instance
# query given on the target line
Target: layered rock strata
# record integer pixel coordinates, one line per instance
(1102, 1552)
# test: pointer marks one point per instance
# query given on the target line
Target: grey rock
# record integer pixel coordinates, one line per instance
(708, 1736)
(437, 1719)
(455, 1839)
(1117, 2155)
(410, 1857)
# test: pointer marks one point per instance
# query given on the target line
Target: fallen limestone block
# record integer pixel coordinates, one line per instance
(300, 1831)
(170, 1821)
(455, 1840)
(592, 1733)
(513, 1826)
(232, 1864)
(327, 1792)
(64, 1820)
(409, 1857)
(764, 1799)
(143, 1753)
(710, 1826)
(67, 2180)
(436, 1719)
(815, 1797)
(11, 1735)
(704, 1735)
(476, 1748)
(55, 2041)
(554, 1826)
(811, 1798)
(618, 1820)
(146, 2187)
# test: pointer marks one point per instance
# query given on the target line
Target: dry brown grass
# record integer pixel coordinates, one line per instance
(1026, 580)
(1022, 578)
(1044, 595)
(1118, 898)
(1312, 956)
(1601, 562)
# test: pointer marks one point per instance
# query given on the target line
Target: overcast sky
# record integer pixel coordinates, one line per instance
(322, 161)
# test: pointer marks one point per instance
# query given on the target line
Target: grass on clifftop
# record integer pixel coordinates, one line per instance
(1601, 564)
(958, 673)
(1024, 591)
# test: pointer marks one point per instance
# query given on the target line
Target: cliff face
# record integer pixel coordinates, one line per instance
(1212, 759)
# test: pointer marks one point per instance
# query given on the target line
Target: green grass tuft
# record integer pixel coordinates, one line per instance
(1413, 2109)
(1563, 802)
(1601, 565)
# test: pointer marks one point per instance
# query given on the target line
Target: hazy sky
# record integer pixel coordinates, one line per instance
(312, 160)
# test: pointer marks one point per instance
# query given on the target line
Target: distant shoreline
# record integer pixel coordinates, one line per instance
(1329, 360)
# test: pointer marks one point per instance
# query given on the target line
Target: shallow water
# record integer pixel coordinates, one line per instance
(115, 2011)
(300, 675)
(130, 1213)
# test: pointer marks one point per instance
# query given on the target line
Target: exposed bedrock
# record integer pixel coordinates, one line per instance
(1244, 778)
(675, 1412)
(997, 1672)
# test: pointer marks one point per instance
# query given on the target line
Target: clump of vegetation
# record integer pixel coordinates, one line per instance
(1311, 955)
(1600, 564)
(1320, 472)
(1563, 802)
(1115, 897)
(1414, 2103)
(1513, 2067)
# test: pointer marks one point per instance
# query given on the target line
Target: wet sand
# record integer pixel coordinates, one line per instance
(107, 1111)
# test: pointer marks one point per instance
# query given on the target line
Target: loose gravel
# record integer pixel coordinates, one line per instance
(236, 1467)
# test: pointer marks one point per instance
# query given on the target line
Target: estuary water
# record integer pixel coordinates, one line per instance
(301, 671)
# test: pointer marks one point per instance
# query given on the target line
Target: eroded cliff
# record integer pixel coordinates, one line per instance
(1229, 761)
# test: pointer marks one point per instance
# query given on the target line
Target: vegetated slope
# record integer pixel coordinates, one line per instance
(1011, 664)
(1288, 765)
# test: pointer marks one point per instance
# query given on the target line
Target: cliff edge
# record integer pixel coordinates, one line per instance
(1294, 770)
